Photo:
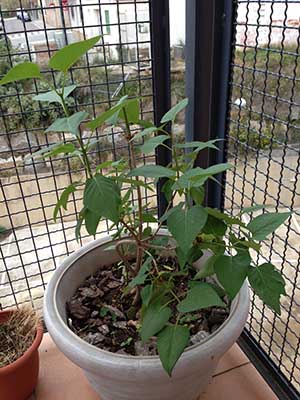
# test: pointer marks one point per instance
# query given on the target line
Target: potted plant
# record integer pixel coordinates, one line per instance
(20, 336)
(148, 311)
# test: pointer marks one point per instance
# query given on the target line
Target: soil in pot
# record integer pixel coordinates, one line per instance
(102, 314)
(17, 334)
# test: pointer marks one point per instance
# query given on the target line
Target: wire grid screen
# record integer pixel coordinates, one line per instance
(32, 245)
(263, 145)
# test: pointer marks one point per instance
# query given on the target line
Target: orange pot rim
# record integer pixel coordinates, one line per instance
(22, 360)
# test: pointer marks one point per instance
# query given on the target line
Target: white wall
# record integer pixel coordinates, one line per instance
(177, 21)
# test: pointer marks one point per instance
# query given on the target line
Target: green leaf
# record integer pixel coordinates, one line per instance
(207, 269)
(66, 148)
(146, 217)
(167, 189)
(132, 109)
(66, 57)
(91, 222)
(63, 200)
(146, 294)
(248, 210)
(198, 194)
(185, 225)
(191, 178)
(198, 145)
(69, 124)
(268, 284)
(215, 226)
(142, 275)
(171, 114)
(102, 197)
(3, 229)
(79, 223)
(145, 132)
(26, 70)
(53, 97)
(201, 295)
(217, 169)
(171, 343)
(224, 217)
(167, 213)
(265, 224)
(242, 243)
(155, 318)
(150, 145)
(194, 253)
(145, 124)
(197, 176)
(104, 117)
(232, 271)
(153, 171)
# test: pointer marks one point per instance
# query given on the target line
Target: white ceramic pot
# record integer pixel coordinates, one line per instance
(122, 377)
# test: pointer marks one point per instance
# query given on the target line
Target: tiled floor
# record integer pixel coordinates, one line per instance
(235, 378)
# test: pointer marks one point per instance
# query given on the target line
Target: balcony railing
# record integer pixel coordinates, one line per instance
(241, 60)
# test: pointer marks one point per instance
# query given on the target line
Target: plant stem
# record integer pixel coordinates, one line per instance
(79, 139)
(139, 253)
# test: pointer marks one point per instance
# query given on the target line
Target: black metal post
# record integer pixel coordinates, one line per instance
(160, 47)
(209, 35)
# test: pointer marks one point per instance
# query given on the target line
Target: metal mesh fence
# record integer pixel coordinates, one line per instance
(263, 145)
(32, 245)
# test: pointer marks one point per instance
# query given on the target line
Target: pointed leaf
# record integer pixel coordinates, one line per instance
(232, 271)
(198, 146)
(153, 171)
(198, 194)
(69, 124)
(145, 132)
(91, 222)
(132, 109)
(150, 145)
(185, 225)
(63, 200)
(53, 97)
(207, 269)
(172, 210)
(65, 148)
(66, 57)
(224, 217)
(217, 169)
(143, 273)
(26, 70)
(155, 318)
(102, 197)
(146, 294)
(268, 284)
(171, 114)
(215, 226)
(201, 295)
(265, 224)
(104, 117)
(171, 343)
(248, 210)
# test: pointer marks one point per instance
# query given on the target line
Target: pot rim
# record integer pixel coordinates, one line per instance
(23, 359)
(60, 328)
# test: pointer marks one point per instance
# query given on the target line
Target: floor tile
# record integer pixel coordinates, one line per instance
(235, 378)
(60, 379)
(232, 359)
(242, 383)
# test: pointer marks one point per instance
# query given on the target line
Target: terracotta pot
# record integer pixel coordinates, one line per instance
(124, 377)
(18, 380)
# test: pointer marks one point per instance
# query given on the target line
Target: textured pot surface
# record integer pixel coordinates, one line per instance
(121, 377)
(18, 380)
